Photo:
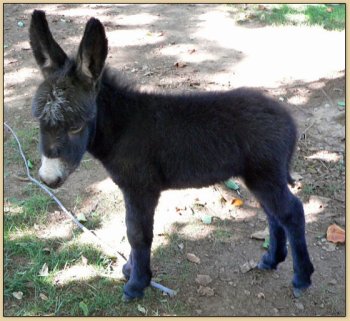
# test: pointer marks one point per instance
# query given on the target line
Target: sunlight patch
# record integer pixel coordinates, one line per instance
(137, 19)
(63, 230)
(314, 207)
(105, 186)
(187, 52)
(135, 37)
(75, 273)
(325, 156)
(297, 100)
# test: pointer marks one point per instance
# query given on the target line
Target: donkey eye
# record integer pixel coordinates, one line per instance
(75, 129)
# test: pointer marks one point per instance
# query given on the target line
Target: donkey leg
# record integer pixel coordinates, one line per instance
(277, 251)
(287, 213)
(140, 208)
(127, 268)
(293, 221)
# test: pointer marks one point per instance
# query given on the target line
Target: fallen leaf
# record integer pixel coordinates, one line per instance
(181, 246)
(43, 297)
(335, 234)
(260, 235)
(207, 219)
(84, 307)
(84, 260)
(231, 184)
(81, 217)
(205, 291)
(18, 295)
(191, 51)
(261, 7)
(44, 270)
(203, 279)
(141, 309)
(193, 258)
(329, 9)
(30, 164)
(266, 243)
(237, 202)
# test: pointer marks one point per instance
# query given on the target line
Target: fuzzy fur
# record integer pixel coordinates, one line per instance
(150, 142)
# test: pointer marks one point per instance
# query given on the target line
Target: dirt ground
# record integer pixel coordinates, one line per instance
(199, 48)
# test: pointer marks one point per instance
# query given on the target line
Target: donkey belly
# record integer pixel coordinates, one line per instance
(198, 164)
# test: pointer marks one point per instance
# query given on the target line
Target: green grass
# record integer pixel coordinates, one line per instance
(25, 254)
(329, 16)
(25, 257)
(318, 15)
(23, 214)
(29, 138)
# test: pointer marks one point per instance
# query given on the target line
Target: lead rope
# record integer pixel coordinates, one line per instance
(74, 219)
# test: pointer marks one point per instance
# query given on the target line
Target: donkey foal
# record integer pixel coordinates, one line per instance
(150, 142)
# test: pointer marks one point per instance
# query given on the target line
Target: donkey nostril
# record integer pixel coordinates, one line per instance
(53, 183)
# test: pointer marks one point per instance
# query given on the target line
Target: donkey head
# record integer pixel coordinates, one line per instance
(65, 103)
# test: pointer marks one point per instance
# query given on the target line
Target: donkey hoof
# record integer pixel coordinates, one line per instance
(298, 292)
(263, 266)
(130, 292)
(127, 298)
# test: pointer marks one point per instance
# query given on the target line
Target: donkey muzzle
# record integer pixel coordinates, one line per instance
(52, 172)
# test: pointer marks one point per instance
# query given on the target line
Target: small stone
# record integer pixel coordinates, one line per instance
(299, 305)
(18, 295)
(329, 247)
(246, 292)
(260, 235)
(43, 297)
(205, 291)
(203, 279)
(247, 266)
(333, 282)
(193, 258)
(181, 246)
(275, 310)
(199, 311)
(261, 295)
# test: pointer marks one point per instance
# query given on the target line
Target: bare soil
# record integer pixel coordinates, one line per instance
(198, 48)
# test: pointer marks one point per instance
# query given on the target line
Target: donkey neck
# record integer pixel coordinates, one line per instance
(116, 103)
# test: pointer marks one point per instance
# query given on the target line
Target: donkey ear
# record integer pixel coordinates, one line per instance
(48, 54)
(93, 50)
